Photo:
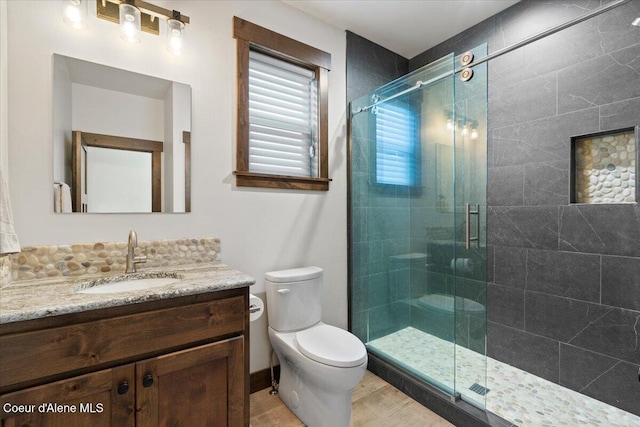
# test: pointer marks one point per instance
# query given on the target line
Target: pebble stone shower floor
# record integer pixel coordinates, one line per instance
(515, 395)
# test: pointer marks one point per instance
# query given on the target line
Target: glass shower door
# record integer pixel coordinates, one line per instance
(470, 261)
(404, 231)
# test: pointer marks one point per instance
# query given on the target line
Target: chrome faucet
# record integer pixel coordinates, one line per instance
(132, 259)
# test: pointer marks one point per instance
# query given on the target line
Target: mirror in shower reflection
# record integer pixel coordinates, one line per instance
(121, 140)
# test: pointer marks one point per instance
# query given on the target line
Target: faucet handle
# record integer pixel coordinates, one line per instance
(142, 257)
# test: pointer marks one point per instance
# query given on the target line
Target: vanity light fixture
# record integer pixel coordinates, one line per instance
(135, 16)
(130, 23)
(175, 33)
(75, 13)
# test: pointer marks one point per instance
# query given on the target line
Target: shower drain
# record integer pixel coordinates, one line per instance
(479, 389)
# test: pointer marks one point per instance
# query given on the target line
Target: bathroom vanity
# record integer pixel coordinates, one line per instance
(171, 355)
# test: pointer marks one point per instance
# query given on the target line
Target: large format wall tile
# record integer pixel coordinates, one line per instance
(544, 140)
(566, 48)
(559, 318)
(505, 305)
(618, 387)
(579, 367)
(546, 183)
(614, 28)
(621, 282)
(616, 334)
(604, 229)
(528, 227)
(505, 186)
(600, 81)
(532, 353)
(530, 100)
(510, 266)
(620, 115)
(376, 59)
(564, 274)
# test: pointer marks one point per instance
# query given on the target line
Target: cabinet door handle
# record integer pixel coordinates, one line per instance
(123, 387)
(147, 381)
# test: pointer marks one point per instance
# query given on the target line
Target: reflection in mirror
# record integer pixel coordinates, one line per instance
(121, 140)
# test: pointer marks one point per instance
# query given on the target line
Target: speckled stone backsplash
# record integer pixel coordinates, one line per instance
(36, 262)
(5, 269)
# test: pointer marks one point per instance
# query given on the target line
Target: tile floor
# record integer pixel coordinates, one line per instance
(375, 404)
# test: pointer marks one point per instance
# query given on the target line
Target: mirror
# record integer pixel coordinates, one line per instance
(121, 140)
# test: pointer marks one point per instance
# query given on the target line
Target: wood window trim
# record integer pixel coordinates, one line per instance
(251, 36)
(81, 140)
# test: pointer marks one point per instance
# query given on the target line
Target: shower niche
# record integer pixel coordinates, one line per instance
(604, 167)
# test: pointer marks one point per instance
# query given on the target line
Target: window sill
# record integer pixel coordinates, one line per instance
(250, 179)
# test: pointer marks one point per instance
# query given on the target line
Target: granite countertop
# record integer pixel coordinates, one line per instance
(38, 298)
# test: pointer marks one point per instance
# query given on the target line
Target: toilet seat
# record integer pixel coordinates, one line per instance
(331, 346)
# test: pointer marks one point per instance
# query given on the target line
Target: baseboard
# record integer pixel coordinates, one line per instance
(260, 380)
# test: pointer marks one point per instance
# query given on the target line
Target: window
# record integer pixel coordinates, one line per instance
(396, 146)
(282, 117)
(282, 126)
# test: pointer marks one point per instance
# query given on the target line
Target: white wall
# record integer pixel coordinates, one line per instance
(4, 135)
(261, 230)
(109, 112)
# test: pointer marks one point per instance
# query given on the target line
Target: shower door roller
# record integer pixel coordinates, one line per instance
(466, 74)
(467, 225)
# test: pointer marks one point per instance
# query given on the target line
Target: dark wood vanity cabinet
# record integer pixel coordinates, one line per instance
(180, 364)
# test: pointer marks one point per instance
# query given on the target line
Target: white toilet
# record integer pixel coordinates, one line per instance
(319, 364)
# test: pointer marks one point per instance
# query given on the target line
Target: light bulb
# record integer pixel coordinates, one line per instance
(175, 36)
(130, 23)
(465, 130)
(449, 124)
(474, 133)
(75, 13)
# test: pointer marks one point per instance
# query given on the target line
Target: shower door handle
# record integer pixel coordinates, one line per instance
(467, 225)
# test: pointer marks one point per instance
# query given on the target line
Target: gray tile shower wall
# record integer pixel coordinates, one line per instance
(564, 296)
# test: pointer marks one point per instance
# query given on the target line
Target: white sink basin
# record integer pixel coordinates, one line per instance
(125, 284)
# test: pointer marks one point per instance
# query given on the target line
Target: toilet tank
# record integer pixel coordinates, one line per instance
(294, 298)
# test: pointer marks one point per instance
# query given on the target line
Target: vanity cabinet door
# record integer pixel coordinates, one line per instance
(198, 387)
(100, 399)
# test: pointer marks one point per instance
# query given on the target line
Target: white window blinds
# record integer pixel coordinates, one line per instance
(395, 145)
(282, 117)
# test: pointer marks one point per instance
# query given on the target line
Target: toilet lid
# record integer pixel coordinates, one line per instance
(331, 346)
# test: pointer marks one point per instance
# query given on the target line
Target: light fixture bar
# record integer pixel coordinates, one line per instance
(108, 10)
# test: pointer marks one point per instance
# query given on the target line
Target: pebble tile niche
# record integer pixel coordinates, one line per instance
(605, 168)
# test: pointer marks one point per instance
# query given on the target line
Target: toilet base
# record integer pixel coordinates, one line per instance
(314, 406)
(318, 394)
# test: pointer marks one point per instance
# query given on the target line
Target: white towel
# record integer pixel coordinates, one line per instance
(8, 238)
(61, 197)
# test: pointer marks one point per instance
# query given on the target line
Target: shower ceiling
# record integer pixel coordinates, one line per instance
(406, 27)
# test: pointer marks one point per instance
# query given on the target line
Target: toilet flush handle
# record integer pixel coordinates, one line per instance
(284, 291)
